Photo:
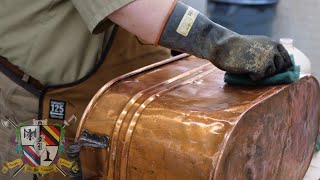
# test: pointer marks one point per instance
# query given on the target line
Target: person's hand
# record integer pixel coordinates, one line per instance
(257, 56)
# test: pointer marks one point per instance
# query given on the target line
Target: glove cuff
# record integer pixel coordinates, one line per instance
(165, 22)
(187, 30)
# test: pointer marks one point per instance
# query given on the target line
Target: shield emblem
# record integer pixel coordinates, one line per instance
(40, 147)
(40, 144)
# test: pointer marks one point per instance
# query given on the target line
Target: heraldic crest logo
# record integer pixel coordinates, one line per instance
(40, 147)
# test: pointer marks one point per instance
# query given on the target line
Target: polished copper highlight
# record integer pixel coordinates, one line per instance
(177, 119)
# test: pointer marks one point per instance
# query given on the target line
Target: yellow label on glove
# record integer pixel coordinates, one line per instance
(187, 21)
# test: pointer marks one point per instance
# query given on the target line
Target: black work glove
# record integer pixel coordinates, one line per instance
(257, 56)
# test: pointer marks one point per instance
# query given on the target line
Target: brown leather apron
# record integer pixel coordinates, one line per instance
(124, 53)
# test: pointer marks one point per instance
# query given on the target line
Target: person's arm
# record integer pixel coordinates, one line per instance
(180, 27)
(143, 18)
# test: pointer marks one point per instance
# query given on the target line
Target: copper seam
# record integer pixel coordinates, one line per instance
(131, 102)
(135, 118)
(107, 86)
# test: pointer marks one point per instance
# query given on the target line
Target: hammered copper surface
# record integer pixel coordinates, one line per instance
(181, 121)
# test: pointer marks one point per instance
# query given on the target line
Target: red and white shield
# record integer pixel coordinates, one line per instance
(40, 143)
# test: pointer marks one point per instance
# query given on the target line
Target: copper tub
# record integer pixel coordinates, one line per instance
(177, 119)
